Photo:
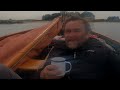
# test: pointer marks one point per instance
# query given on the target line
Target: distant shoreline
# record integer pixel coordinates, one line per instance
(102, 20)
(22, 22)
(96, 20)
(32, 21)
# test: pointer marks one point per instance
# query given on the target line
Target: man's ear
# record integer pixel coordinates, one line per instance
(88, 35)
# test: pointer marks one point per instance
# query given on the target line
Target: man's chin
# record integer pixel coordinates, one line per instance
(72, 45)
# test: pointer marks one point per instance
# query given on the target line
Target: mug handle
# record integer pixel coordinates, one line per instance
(70, 66)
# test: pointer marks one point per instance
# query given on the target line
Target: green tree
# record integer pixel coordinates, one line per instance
(50, 16)
(88, 15)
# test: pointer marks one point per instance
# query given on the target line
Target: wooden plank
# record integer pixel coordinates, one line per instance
(31, 64)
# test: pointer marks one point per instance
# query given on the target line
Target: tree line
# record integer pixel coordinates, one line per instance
(68, 14)
(50, 16)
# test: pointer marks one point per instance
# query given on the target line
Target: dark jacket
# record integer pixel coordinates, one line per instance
(92, 60)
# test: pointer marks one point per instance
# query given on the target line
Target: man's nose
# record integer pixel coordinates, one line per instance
(71, 34)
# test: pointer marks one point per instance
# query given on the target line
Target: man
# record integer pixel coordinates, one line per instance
(6, 73)
(90, 58)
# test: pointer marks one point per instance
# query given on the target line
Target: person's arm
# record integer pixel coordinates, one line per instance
(114, 65)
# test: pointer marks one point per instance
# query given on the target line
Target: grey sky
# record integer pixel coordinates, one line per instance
(38, 14)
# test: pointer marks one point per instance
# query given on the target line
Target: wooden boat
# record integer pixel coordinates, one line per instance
(114, 44)
(17, 51)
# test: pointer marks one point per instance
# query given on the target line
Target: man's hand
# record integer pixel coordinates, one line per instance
(50, 72)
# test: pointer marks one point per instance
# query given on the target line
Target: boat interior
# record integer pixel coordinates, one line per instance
(33, 74)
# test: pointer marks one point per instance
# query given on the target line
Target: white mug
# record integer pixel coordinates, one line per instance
(61, 64)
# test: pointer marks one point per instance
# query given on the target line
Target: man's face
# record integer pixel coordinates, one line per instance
(75, 34)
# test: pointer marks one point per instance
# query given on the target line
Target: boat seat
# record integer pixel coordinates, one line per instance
(31, 65)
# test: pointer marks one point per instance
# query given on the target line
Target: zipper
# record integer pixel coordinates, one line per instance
(74, 55)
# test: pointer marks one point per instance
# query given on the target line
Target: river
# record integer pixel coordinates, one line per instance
(6, 29)
(108, 29)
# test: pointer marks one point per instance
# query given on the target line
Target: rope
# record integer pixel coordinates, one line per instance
(46, 57)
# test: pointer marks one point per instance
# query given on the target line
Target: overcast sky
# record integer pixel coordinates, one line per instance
(38, 14)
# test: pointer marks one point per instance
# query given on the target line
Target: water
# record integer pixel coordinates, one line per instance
(111, 30)
(6, 29)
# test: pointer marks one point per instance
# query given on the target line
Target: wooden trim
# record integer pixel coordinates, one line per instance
(15, 61)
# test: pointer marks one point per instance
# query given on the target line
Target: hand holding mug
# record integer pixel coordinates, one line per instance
(50, 72)
(56, 70)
